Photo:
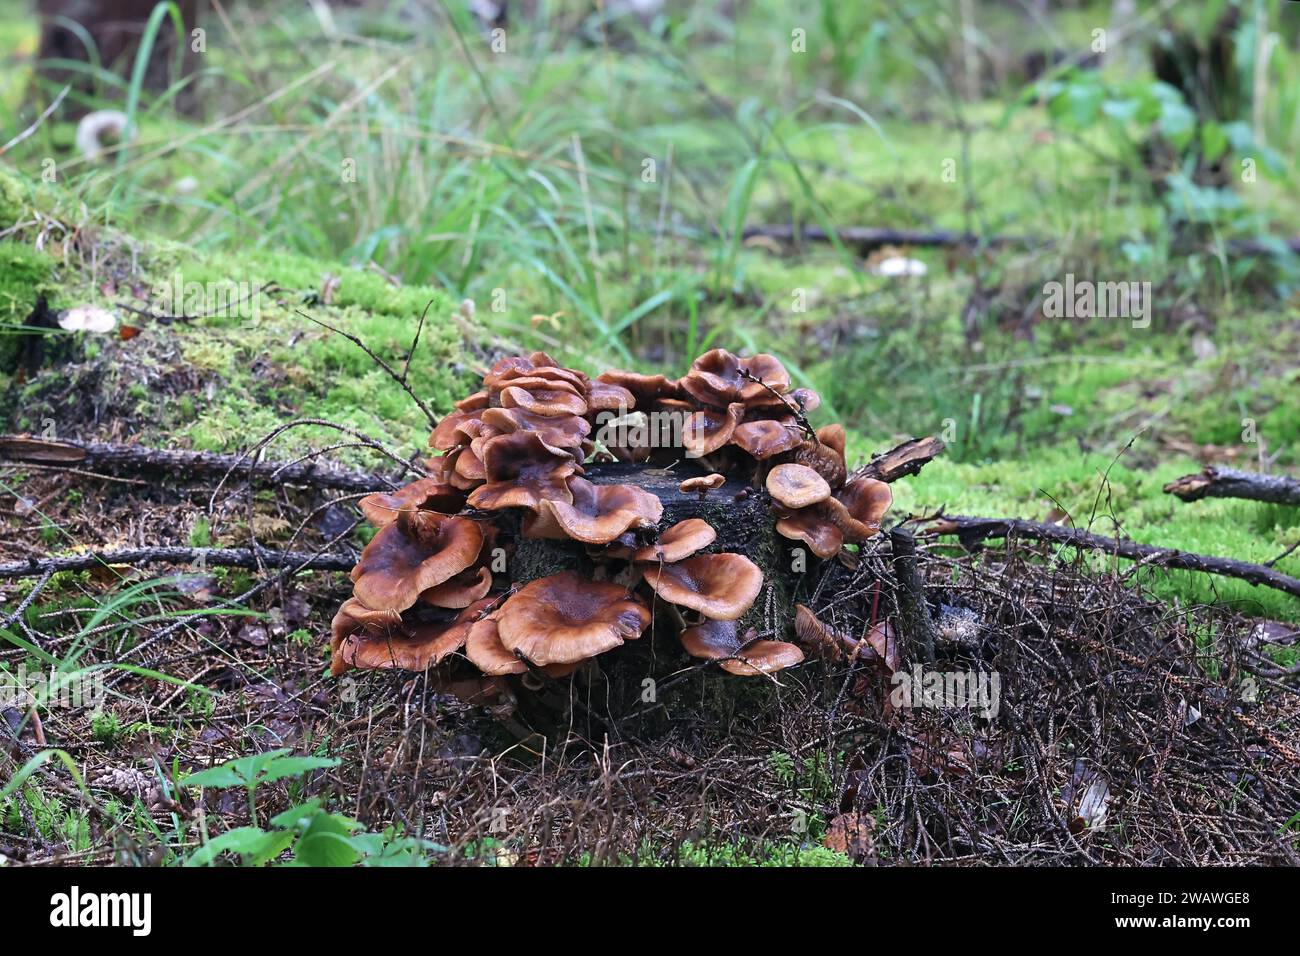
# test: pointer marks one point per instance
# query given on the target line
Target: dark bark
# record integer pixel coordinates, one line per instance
(116, 459)
(913, 607)
(905, 459)
(971, 531)
(217, 557)
(1231, 483)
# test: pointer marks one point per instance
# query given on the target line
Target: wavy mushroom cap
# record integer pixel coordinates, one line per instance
(523, 471)
(833, 435)
(719, 378)
(460, 591)
(708, 429)
(423, 494)
(812, 527)
(486, 652)
(538, 365)
(455, 429)
(414, 647)
(763, 657)
(563, 431)
(858, 508)
(797, 486)
(353, 616)
(645, 389)
(547, 402)
(679, 542)
(766, 438)
(598, 513)
(418, 551)
(722, 587)
(566, 618)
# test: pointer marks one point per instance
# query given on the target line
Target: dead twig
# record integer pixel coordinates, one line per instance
(973, 530)
(223, 557)
(1216, 482)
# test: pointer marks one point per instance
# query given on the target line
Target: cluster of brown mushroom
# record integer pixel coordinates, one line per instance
(430, 589)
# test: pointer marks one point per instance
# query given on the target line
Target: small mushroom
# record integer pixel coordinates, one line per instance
(679, 542)
(418, 551)
(797, 486)
(645, 389)
(702, 484)
(742, 656)
(548, 402)
(711, 640)
(722, 587)
(566, 618)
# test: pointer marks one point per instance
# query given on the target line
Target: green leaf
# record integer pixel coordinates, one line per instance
(326, 849)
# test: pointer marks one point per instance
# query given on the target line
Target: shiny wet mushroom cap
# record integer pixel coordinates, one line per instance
(598, 514)
(765, 438)
(428, 494)
(416, 552)
(797, 486)
(413, 647)
(722, 587)
(565, 618)
(811, 526)
(679, 542)
(523, 471)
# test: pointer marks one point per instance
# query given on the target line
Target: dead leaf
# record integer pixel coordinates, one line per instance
(851, 834)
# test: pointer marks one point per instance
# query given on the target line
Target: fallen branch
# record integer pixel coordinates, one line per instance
(1231, 483)
(971, 531)
(903, 460)
(116, 459)
(868, 238)
(203, 557)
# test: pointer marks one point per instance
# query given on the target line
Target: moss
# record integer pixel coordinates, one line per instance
(13, 200)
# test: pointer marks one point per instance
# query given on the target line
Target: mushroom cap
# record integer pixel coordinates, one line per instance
(598, 513)
(427, 494)
(564, 431)
(645, 389)
(413, 647)
(720, 586)
(565, 618)
(455, 429)
(719, 378)
(523, 471)
(797, 486)
(702, 483)
(472, 403)
(486, 652)
(707, 430)
(858, 508)
(548, 402)
(460, 591)
(352, 615)
(536, 365)
(711, 640)
(806, 397)
(610, 397)
(679, 542)
(766, 438)
(823, 458)
(763, 657)
(418, 551)
(812, 527)
(832, 435)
